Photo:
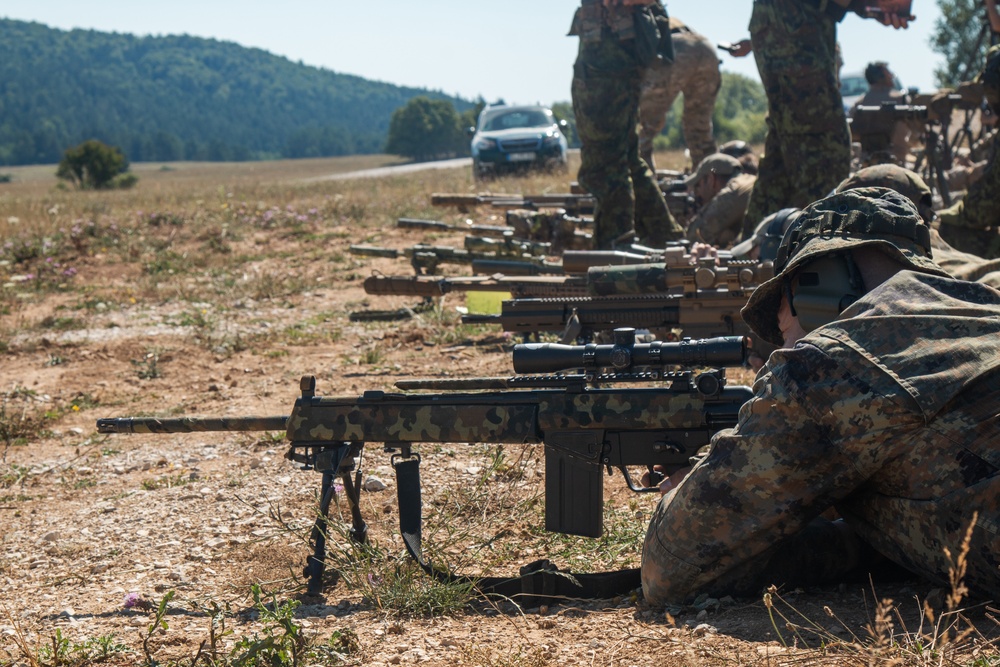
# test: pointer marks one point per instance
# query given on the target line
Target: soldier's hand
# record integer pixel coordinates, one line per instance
(897, 21)
(701, 251)
(883, 12)
(741, 48)
(667, 483)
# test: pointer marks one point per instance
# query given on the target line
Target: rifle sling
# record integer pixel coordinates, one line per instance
(539, 582)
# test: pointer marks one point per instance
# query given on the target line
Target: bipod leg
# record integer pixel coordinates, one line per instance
(352, 489)
(316, 565)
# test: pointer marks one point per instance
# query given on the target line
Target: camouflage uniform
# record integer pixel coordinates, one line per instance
(961, 265)
(973, 224)
(720, 221)
(695, 73)
(887, 413)
(606, 79)
(808, 146)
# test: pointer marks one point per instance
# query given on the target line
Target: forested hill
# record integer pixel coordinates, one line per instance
(180, 98)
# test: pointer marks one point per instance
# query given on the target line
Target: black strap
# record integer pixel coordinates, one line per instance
(537, 583)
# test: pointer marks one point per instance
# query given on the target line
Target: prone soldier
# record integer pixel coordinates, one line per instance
(722, 191)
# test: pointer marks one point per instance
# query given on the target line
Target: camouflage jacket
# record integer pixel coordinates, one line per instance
(889, 414)
(720, 221)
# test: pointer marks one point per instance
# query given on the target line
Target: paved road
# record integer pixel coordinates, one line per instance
(462, 162)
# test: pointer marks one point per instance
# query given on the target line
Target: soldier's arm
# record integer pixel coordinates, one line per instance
(720, 221)
(796, 451)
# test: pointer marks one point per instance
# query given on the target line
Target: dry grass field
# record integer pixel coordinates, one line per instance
(209, 289)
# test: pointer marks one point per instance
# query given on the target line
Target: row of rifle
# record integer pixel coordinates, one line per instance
(580, 294)
(595, 408)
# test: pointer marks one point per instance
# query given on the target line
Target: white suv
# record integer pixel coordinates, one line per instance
(517, 138)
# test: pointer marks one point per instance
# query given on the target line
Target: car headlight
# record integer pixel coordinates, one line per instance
(485, 144)
(550, 140)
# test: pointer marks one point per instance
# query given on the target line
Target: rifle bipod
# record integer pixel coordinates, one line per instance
(340, 462)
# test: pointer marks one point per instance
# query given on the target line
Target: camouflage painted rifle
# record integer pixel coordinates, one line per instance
(701, 314)
(427, 258)
(553, 227)
(586, 426)
(603, 280)
(573, 204)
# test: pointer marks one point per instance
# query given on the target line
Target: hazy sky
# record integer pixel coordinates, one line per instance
(512, 49)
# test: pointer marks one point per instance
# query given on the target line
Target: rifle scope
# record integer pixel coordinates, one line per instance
(625, 354)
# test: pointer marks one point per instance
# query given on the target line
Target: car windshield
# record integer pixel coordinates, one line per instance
(853, 86)
(524, 118)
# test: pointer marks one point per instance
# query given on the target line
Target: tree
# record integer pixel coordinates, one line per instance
(961, 36)
(93, 165)
(424, 129)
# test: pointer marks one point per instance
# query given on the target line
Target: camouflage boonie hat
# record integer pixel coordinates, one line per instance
(905, 182)
(716, 163)
(876, 217)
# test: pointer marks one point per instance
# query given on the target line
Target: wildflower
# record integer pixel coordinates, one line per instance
(134, 601)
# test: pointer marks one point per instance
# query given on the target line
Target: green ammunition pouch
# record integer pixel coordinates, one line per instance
(588, 22)
(634, 25)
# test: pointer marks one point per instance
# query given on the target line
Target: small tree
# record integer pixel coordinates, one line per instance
(962, 36)
(94, 165)
(424, 129)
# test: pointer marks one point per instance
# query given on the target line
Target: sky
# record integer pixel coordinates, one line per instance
(516, 50)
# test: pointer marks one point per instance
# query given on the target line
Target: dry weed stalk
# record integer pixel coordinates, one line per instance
(945, 638)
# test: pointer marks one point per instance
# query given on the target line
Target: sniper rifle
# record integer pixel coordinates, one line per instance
(701, 314)
(585, 425)
(603, 280)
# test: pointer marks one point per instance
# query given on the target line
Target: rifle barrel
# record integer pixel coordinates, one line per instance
(190, 424)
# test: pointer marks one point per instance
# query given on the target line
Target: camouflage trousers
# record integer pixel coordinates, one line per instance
(823, 553)
(627, 194)
(695, 73)
(973, 224)
(808, 147)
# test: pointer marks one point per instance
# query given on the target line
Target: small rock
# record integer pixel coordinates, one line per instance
(702, 615)
(705, 629)
(50, 537)
(374, 484)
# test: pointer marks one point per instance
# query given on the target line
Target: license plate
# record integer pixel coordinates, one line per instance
(520, 157)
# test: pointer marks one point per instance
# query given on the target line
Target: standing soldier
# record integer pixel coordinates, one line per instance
(808, 147)
(618, 41)
(695, 73)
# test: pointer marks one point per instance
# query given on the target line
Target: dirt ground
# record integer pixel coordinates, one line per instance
(89, 522)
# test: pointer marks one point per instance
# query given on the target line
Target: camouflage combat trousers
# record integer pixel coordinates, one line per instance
(695, 73)
(808, 147)
(628, 196)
